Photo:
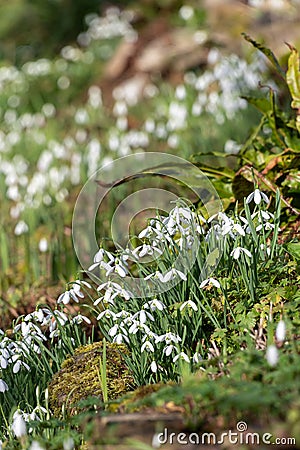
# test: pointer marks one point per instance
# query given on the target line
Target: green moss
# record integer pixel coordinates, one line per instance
(78, 378)
(133, 401)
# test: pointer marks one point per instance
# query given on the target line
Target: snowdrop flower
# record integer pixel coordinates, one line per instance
(142, 316)
(146, 249)
(272, 355)
(36, 446)
(3, 386)
(21, 228)
(18, 364)
(112, 291)
(4, 358)
(233, 228)
(107, 313)
(113, 331)
(168, 338)
(99, 258)
(80, 318)
(138, 326)
(151, 336)
(148, 346)
(168, 349)
(43, 245)
(186, 12)
(257, 196)
(210, 281)
(74, 293)
(267, 226)
(57, 317)
(18, 425)
(153, 367)
(236, 253)
(197, 358)
(182, 356)
(68, 444)
(119, 338)
(221, 217)
(154, 304)
(264, 214)
(280, 331)
(146, 232)
(120, 266)
(189, 304)
(171, 275)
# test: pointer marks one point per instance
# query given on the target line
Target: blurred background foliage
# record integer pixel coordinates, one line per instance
(31, 29)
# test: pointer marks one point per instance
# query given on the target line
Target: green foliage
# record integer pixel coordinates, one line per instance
(35, 28)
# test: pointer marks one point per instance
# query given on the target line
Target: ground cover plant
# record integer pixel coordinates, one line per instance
(217, 338)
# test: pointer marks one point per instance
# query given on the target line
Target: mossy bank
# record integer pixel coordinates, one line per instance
(79, 377)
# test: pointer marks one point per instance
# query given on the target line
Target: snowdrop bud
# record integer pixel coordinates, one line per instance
(280, 331)
(43, 245)
(153, 367)
(272, 355)
(19, 426)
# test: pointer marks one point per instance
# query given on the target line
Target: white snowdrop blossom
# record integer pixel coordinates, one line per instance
(197, 358)
(257, 196)
(80, 318)
(99, 258)
(3, 386)
(272, 355)
(236, 253)
(267, 226)
(112, 290)
(142, 316)
(189, 304)
(280, 331)
(168, 349)
(36, 446)
(182, 356)
(210, 281)
(43, 245)
(262, 214)
(153, 367)
(233, 228)
(74, 293)
(170, 275)
(107, 313)
(138, 326)
(154, 304)
(146, 249)
(21, 228)
(68, 444)
(168, 338)
(148, 346)
(186, 12)
(18, 425)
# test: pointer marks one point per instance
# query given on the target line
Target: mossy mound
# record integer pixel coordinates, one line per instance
(79, 379)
